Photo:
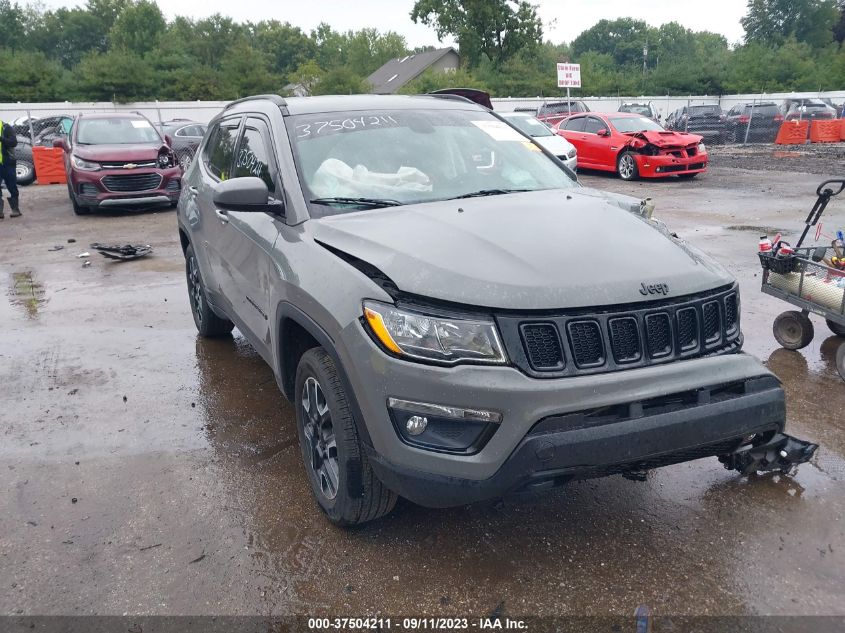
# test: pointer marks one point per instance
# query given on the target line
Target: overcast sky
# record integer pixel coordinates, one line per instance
(563, 19)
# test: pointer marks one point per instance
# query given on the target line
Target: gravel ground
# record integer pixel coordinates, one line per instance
(147, 471)
(816, 158)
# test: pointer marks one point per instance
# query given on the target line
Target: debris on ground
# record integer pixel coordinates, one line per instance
(85, 254)
(57, 247)
(123, 252)
(86, 263)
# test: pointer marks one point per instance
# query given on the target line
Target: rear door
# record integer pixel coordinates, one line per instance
(247, 267)
(572, 129)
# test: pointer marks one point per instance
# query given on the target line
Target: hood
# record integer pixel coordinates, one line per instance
(528, 251)
(663, 139)
(557, 145)
(102, 153)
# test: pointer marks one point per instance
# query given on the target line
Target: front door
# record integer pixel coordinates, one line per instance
(248, 271)
(211, 225)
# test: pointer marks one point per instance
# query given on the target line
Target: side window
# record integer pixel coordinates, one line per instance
(593, 125)
(220, 149)
(575, 124)
(182, 131)
(253, 157)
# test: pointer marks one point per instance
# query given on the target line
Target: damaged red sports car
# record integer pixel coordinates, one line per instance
(633, 146)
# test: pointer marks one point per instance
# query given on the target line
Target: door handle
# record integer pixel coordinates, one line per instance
(193, 191)
(221, 215)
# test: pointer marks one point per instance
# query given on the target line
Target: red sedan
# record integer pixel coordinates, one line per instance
(633, 146)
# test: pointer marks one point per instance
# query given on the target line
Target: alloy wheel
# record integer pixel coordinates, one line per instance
(626, 167)
(185, 161)
(195, 288)
(319, 434)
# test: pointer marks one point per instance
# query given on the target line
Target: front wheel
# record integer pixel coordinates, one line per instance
(78, 209)
(793, 330)
(207, 322)
(341, 478)
(626, 166)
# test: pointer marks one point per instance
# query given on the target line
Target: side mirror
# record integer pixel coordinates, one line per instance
(244, 194)
(603, 132)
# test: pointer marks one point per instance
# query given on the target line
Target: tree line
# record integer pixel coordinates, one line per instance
(125, 50)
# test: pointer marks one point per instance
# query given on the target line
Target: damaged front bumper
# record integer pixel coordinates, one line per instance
(670, 165)
(780, 453)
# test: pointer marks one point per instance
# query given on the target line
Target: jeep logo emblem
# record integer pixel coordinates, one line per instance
(654, 289)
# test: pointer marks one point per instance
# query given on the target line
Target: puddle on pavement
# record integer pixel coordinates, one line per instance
(27, 293)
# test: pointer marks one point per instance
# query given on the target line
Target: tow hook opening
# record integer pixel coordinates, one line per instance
(781, 453)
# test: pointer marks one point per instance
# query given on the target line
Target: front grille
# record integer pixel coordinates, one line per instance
(659, 335)
(712, 324)
(731, 313)
(122, 164)
(132, 182)
(542, 346)
(625, 339)
(687, 329)
(609, 339)
(585, 340)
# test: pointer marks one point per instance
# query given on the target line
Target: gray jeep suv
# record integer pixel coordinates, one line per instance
(453, 316)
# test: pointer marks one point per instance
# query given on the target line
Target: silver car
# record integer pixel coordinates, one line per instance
(544, 136)
(453, 316)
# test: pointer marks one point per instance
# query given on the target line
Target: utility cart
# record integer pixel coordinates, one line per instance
(812, 279)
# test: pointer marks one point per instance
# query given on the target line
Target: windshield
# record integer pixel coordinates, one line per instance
(116, 132)
(705, 109)
(410, 156)
(636, 109)
(529, 125)
(626, 124)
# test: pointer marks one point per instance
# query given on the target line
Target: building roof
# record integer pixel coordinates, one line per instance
(400, 70)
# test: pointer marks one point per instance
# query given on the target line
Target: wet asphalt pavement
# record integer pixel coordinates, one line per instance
(146, 471)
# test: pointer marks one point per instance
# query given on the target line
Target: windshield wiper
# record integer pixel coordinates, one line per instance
(489, 192)
(372, 203)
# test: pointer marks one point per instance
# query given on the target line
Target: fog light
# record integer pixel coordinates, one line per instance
(416, 424)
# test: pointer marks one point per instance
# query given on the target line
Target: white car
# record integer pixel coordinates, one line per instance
(540, 132)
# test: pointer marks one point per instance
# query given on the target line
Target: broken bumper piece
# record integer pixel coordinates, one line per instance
(781, 453)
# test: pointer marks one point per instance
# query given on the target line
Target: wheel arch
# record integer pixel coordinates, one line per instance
(296, 333)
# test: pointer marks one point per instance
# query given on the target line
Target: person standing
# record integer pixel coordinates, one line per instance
(8, 172)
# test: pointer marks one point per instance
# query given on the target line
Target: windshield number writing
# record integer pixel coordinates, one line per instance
(318, 128)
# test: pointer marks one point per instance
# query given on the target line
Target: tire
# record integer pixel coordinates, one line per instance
(837, 329)
(626, 166)
(207, 322)
(331, 451)
(793, 330)
(78, 209)
(24, 172)
(840, 360)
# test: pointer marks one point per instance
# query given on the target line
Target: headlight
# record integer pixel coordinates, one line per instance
(572, 153)
(701, 148)
(441, 339)
(84, 165)
(164, 160)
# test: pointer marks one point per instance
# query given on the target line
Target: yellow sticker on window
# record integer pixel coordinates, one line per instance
(531, 146)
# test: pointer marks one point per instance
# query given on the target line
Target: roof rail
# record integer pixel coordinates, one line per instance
(275, 99)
